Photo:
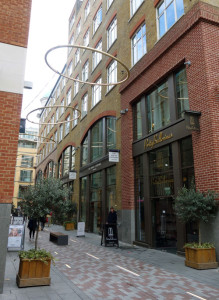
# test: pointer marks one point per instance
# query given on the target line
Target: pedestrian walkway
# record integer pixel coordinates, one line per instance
(85, 270)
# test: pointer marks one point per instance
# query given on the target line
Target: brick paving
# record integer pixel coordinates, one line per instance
(106, 273)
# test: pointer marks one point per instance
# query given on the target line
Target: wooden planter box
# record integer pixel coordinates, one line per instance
(33, 273)
(201, 259)
(69, 226)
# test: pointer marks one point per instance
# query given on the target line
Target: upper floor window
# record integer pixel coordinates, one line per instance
(137, 121)
(77, 56)
(135, 5)
(158, 108)
(182, 97)
(50, 170)
(68, 97)
(97, 19)
(168, 12)
(56, 136)
(86, 38)
(84, 105)
(57, 115)
(58, 91)
(26, 175)
(67, 125)
(70, 69)
(71, 42)
(85, 70)
(76, 86)
(78, 28)
(75, 116)
(139, 44)
(112, 32)
(52, 121)
(109, 2)
(62, 108)
(60, 132)
(96, 58)
(86, 10)
(71, 22)
(27, 161)
(96, 92)
(112, 74)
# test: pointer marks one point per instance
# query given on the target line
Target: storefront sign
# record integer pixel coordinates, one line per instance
(158, 138)
(15, 236)
(114, 155)
(81, 229)
(72, 175)
(192, 120)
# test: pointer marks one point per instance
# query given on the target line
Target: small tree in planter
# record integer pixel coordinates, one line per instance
(39, 200)
(192, 205)
(71, 219)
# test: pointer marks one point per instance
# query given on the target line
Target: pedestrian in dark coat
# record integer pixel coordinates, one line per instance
(42, 222)
(112, 216)
(32, 225)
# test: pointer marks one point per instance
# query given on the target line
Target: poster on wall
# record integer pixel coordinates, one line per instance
(15, 235)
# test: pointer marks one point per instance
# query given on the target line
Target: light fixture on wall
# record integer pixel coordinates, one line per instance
(188, 63)
(124, 111)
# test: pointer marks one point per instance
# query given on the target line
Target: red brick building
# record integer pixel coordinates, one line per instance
(14, 28)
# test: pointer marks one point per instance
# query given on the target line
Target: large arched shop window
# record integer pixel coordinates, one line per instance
(39, 176)
(100, 138)
(50, 170)
(66, 162)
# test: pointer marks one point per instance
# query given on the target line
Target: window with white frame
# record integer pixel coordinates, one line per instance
(67, 125)
(84, 105)
(77, 56)
(96, 58)
(78, 28)
(86, 38)
(60, 132)
(109, 2)
(71, 42)
(70, 69)
(86, 10)
(62, 108)
(55, 136)
(58, 91)
(76, 86)
(112, 74)
(68, 98)
(85, 70)
(135, 5)
(52, 121)
(62, 83)
(112, 32)
(168, 12)
(75, 116)
(139, 44)
(96, 92)
(71, 22)
(97, 19)
(57, 115)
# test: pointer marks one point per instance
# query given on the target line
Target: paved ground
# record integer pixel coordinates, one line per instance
(85, 270)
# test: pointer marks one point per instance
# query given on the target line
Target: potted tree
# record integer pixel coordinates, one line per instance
(191, 205)
(39, 200)
(71, 212)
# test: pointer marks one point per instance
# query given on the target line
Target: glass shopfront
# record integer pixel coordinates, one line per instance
(96, 202)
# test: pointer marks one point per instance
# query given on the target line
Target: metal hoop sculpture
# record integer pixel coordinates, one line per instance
(42, 137)
(43, 123)
(94, 50)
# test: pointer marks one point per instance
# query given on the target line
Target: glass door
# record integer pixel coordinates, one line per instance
(165, 224)
(95, 209)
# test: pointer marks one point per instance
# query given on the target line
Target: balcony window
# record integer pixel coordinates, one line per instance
(60, 132)
(97, 19)
(78, 28)
(76, 86)
(26, 175)
(109, 3)
(67, 125)
(97, 57)
(135, 5)
(71, 22)
(27, 161)
(96, 92)
(112, 32)
(75, 116)
(77, 56)
(112, 74)
(68, 97)
(84, 105)
(85, 71)
(86, 10)
(86, 38)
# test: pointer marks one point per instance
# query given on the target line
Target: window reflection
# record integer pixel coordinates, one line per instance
(111, 133)
(158, 108)
(181, 92)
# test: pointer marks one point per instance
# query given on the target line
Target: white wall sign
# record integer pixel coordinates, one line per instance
(81, 229)
(114, 156)
(72, 175)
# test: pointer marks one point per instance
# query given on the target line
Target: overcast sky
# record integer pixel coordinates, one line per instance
(48, 28)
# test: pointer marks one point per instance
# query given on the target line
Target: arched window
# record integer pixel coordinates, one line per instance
(100, 138)
(39, 176)
(50, 170)
(66, 162)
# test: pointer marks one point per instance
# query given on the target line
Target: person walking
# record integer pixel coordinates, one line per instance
(42, 222)
(32, 225)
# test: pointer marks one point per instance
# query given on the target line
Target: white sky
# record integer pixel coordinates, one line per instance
(48, 28)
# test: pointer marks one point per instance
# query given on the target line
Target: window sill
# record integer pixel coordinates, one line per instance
(96, 67)
(94, 33)
(83, 117)
(96, 105)
(112, 88)
(112, 45)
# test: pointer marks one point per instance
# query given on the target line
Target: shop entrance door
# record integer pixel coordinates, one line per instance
(165, 224)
